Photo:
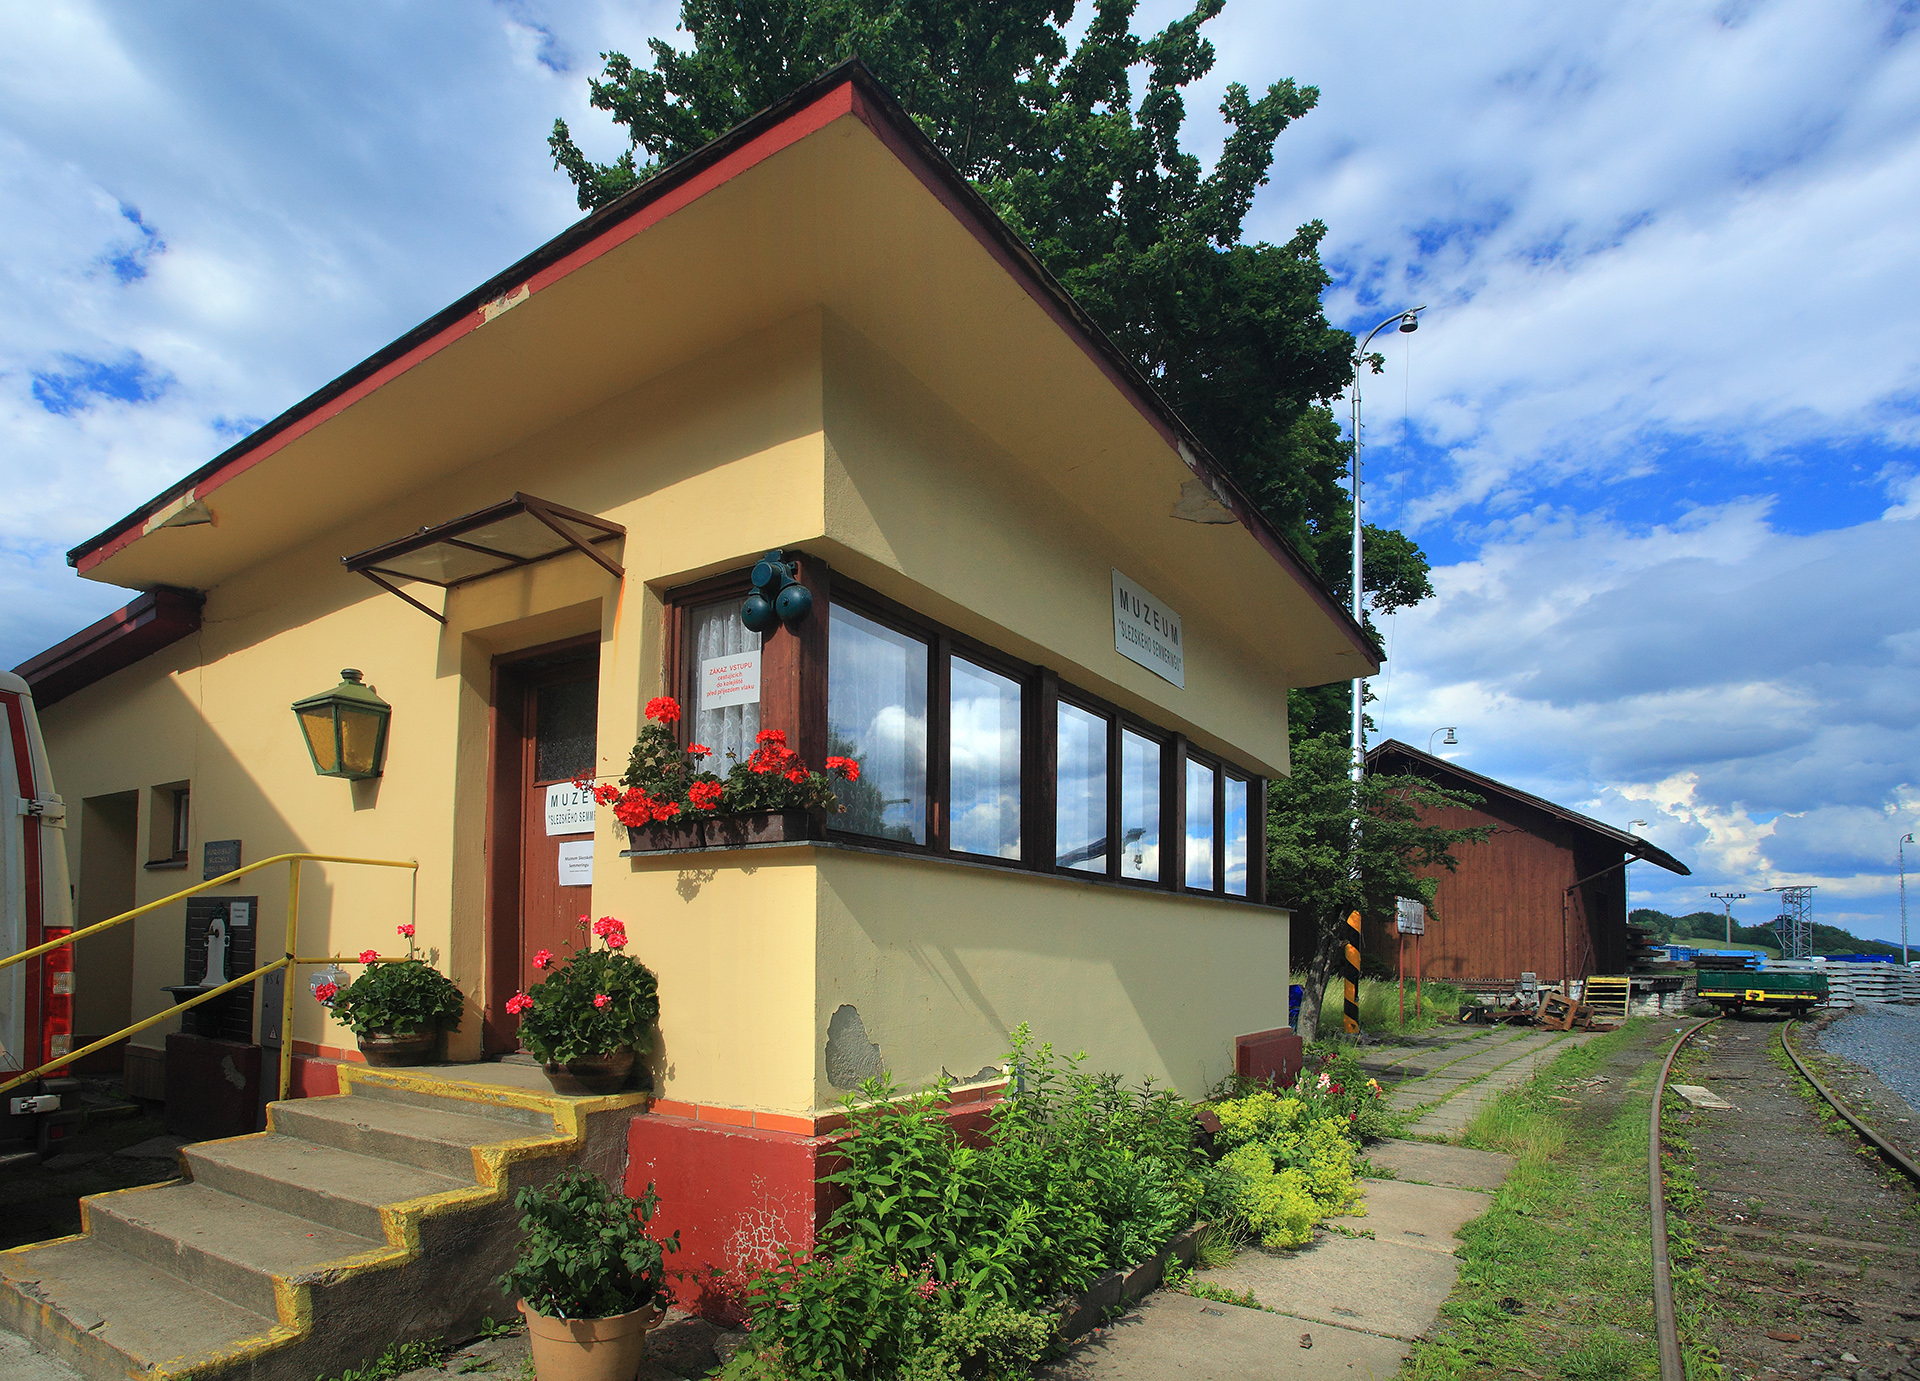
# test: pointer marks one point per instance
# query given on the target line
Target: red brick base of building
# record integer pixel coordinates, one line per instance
(740, 1196)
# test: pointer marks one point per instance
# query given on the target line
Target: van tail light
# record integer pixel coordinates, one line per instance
(56, 999)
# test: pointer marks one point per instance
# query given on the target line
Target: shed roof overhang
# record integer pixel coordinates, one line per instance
(516, 532)
(1427, 764)
(831, 199)
(149, 623)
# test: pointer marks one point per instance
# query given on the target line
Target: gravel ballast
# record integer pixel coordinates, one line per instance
(1884, 1039)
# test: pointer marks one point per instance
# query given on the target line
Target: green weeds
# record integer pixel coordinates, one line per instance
(399, 1359)
(1555, 1277)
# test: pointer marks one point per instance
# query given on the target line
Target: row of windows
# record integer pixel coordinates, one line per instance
(964, 752)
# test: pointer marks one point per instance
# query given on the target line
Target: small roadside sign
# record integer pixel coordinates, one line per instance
(1410, 916)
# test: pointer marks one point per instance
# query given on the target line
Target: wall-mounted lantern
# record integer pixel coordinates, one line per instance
(346, 729)
(777, 596)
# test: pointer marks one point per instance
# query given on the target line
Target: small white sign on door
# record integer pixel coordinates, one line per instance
(1148, 632)
(730, 680)
(239, 913)
(569, 810)
(576, 863)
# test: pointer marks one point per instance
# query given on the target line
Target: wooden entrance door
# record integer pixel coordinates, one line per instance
(545, 711)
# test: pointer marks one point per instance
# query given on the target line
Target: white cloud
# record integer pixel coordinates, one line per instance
(1723, 679)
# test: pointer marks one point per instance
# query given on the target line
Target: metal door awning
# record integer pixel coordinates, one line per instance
(519, 532)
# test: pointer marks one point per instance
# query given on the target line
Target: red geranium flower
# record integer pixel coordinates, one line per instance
(405, 931)
(326, 991)
(584, 781)
(846, 767)
(606, 795)
(700, 750)
(367, 956)
(664, 708)
(601, 999)
(664, 811)
(771, 736)
(634, 807)
(518, 1003)
(616, 937)
(543, 959)
(705, 795)
(796, 775)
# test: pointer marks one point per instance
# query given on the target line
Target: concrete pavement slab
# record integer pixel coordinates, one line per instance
(1355, 1283)
(1181, 1338)
(1422, 1216)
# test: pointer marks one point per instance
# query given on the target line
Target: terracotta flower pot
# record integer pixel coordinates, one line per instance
(592, 1073)
(590, 1349)
(385, 1049)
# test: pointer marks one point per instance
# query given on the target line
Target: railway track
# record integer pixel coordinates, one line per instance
(1808, 1242)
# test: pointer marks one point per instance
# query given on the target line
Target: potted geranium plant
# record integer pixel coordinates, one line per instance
(396, 1007)
(668, 798)
(592, 1014)
(589, 1277)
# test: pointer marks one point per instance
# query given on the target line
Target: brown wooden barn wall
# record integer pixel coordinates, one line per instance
(1499, 914)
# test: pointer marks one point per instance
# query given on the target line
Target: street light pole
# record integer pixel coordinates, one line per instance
(1449, 732)
(1408, 321)
(1626, 879)
(1905, 840)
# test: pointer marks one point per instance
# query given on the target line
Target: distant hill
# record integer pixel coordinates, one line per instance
(1707, 928)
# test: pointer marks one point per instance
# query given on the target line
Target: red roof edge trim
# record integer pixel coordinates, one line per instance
(674, 187)
(849, 88)
(151, 622)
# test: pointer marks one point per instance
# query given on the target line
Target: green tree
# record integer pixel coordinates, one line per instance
(1310, 851)
(1230, 333)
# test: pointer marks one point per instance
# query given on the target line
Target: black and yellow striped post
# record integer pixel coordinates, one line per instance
(1352, 967)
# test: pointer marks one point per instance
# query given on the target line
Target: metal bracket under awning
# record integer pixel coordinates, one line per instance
(506, 536)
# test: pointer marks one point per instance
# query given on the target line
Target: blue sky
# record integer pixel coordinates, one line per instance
(1658, 430)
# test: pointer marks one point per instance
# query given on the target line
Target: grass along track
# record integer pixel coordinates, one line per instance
(1556, 1278)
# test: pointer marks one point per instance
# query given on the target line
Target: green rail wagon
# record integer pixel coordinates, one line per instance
(1735, 990)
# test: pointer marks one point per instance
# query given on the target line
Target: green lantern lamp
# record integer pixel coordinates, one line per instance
(346, 729)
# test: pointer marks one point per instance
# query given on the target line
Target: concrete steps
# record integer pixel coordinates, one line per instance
(353, 1222)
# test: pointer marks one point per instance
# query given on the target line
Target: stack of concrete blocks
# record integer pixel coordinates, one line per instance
(1840, 981)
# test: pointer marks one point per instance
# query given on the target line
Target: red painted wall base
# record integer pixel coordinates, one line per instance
(740, 1196)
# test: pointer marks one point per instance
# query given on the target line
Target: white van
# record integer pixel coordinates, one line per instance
(36, 905)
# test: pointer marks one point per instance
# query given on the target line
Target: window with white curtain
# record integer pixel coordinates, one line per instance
(718, 632)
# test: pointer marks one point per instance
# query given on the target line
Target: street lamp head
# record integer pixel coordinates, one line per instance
(1409, 324)
(1449, 738)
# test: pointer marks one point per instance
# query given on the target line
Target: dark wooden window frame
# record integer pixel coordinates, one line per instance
(793, 677)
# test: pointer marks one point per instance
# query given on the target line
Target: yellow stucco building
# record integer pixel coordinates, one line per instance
(1056, 638)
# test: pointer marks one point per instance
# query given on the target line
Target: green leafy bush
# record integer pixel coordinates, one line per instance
(399, 997)
(942, 1259)
(990, 1342)
(1287, 1162)
(1276, 1206)
(594, 1002)
(584, 1248)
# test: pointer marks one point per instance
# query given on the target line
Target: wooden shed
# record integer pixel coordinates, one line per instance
(1545, 894)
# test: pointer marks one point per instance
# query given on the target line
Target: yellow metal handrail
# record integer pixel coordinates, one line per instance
(287, 961)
